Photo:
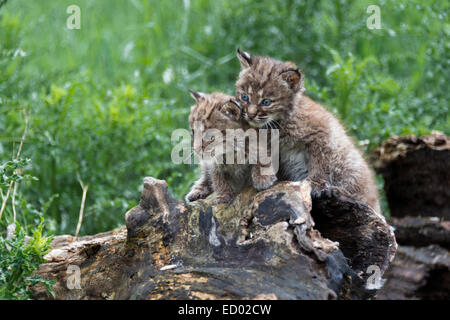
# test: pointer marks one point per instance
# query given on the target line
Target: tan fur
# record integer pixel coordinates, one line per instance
(313, 144)
(224, 179)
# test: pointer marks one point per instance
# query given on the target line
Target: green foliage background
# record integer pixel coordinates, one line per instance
(102, 101)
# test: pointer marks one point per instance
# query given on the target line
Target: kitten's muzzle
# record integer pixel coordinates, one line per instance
(252, 111)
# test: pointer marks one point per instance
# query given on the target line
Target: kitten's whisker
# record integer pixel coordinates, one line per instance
(278, 125)
(274, 124)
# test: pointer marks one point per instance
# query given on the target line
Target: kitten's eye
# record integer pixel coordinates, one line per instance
(266, 102)
(245, 97)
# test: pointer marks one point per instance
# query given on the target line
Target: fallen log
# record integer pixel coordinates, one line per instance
(263, 245)
(416, 172)
(418, 273)
(421, 231)
(421, 268)
(416, 175)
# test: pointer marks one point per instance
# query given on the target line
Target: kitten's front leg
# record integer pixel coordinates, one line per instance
(222, 187)
(201, 189)
(263, 177)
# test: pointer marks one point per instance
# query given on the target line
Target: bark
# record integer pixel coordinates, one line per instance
(263, 245)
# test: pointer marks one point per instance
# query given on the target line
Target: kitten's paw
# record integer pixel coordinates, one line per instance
(263, 182)
(197, 194)
(326, 193)
(223, 199)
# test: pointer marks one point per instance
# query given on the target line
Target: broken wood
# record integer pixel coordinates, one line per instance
(416, 172)
(421, 231)
(264, 244)
(418, 273)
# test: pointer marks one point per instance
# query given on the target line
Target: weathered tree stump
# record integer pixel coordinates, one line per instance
(264, 245)
(417, 185)
(416, 171)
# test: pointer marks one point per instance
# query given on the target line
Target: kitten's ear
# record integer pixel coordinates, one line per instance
(294, 79)
(244, 58)
(197, 95)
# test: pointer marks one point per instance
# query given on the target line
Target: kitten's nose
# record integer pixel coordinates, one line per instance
(252, 111)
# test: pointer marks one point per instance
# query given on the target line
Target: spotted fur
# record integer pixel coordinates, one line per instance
(221, 112)
(313, 144)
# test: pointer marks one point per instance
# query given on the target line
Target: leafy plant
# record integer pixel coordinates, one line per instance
(20, 257)
(9, 172)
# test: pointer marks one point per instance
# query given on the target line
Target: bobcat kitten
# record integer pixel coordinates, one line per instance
(218, 111)
(313, 144)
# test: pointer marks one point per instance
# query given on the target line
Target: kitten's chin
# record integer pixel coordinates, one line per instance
(256, 124)
(266, 124)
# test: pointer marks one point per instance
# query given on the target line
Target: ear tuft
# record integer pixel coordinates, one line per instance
(244, 58)
(197, 95)
(294, 79)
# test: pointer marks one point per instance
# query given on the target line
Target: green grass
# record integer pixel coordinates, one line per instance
(98, 105)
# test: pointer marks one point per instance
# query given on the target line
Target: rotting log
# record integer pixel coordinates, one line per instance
(421, 231)
(263, 245)
(418, 273)
(421, 268)
(416, 171)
